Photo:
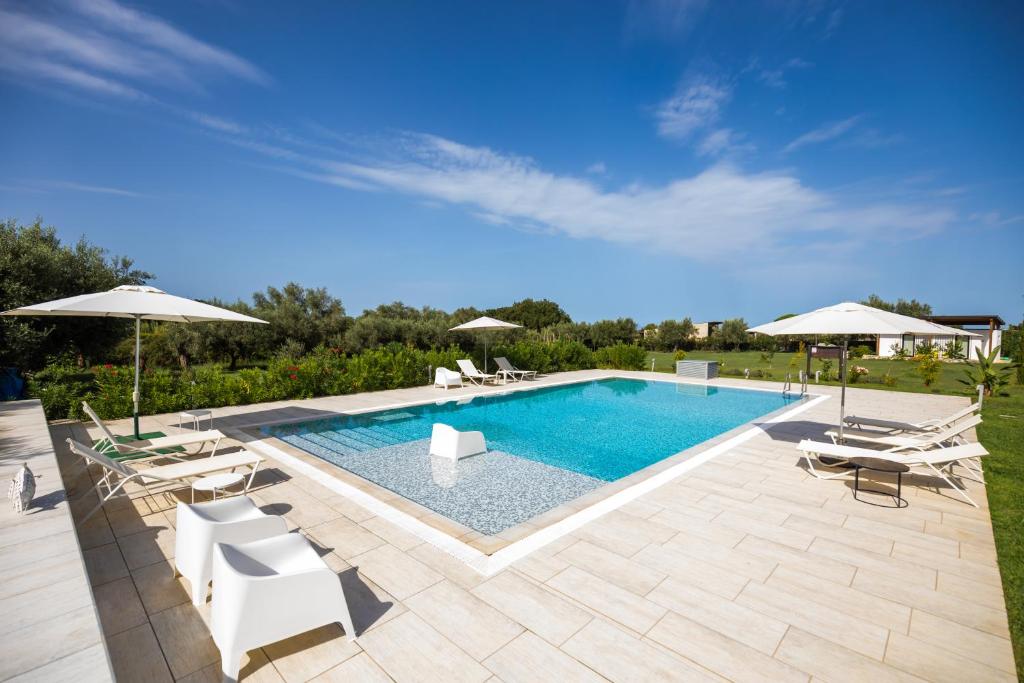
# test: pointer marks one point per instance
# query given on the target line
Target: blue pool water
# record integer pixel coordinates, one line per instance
(545, 446)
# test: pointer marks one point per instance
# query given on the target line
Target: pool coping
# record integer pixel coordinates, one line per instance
(490, 554)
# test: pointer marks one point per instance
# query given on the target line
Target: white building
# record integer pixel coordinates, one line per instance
(989, 327)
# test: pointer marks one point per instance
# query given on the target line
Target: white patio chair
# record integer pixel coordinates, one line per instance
(470, 372)
(117, 474)
(270, 590)
(896, 427)
(109, 444)
(937, 461)
(443, 377)
(508, 370)
(198, 527)
(448, 442)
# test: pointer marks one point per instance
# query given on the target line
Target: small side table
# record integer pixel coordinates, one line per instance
(216, 482)
(194, 416)
(880, 465)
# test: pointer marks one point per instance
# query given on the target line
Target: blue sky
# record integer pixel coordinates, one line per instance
(652, 159)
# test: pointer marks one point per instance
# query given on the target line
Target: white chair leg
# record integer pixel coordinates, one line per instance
(230, 664)
(346, 620)
(199, 590)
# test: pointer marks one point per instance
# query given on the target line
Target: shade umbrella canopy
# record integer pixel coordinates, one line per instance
(850, 318)
(138, 302)
(481, 324)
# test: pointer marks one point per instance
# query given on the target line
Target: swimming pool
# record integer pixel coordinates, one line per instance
(546, 446)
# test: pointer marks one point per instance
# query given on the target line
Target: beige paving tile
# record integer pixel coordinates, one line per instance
(541, 565)
(135, 656)
(47, 641)
(359, 668)
(772, 532)
(104, 563)
(675, 563)
(184, 639)
(977, 645)
(344, 537)
(119, 606)
(369, 604)
(855, 603)
(408, 649)
(624, 534)
(937, 664)
(619, 604)
(88, 664)
(840, 534)
(612, 567)
(826, 661)
(256, 668)
(533, 606)
(396, 536)
(309, 654)
(908, 572)
(158, 589)
(618, 656)
(955, 609)
(748, 564)
(815, 565)
(449, 567)
(980, 573)
(530, 658)
(465, 619)
(989, 596)
(830, 623)
(396, 572)
(729, 618)
(23, 610)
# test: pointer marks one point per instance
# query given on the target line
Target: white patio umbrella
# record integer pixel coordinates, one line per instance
(140, 303)
(850, 318)
(481, 324)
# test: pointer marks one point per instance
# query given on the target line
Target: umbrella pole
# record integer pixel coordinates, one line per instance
(135, 393)
(842, 395)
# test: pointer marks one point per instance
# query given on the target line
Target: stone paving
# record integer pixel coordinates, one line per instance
(745, 568)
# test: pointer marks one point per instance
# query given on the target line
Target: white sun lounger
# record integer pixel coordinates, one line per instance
(473, 375)
(938, 461)
(895, 442)
(895, 426)
(109, 444)
(508, 370)
(117, 474)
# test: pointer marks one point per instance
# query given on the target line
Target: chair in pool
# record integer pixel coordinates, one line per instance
(473, 375)
(448, 442)
(198, 527)
(507, 370)
(936, 461)
(117, 474)
(443, 377)
(269, 590)
(897, 427)
(148, 448)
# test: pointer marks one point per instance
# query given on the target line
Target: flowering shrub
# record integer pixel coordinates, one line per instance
(856, 372)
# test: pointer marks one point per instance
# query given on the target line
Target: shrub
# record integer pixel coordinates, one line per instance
(621, 357)
(859, 351)
(929, 367)
(679, 355)
(856, 372)
(954, 349)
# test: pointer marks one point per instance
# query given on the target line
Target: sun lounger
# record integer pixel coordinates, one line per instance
(117, 474)
(937, 461)
(948, 436)
(120, 450)
(506, 369)
(896, 427)
(470, 372)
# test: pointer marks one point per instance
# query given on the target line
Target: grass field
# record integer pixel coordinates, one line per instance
(1002, 433)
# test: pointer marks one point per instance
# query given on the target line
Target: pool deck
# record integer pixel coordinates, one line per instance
(743, 568)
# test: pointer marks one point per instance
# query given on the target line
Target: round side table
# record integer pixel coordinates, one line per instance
(880, 465)
(216, 482)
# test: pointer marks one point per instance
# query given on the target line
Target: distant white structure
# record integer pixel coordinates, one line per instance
(988, 327)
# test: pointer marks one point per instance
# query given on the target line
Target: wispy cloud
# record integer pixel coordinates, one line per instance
(705, 216)
(724, 142)
(216, 123)
(664, 19)
(597, 168)
(696, 104)
(776, 77)
(829, 131)
(93, 189)
(108, 49)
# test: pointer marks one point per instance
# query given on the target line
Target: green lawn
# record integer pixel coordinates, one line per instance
(1002, 433)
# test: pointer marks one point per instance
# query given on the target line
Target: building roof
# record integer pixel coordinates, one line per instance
(966, 320)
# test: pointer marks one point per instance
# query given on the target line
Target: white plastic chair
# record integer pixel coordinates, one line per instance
(198, 527)
(443, 377)
(448, 442)
(270, 590)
